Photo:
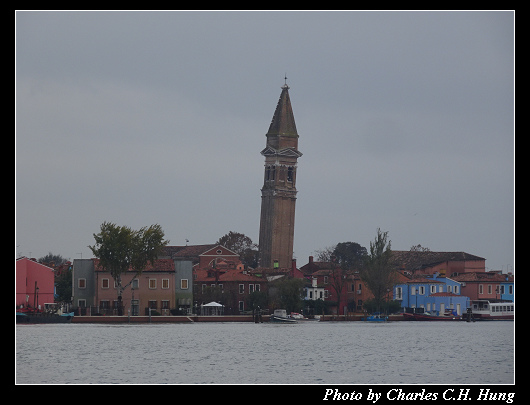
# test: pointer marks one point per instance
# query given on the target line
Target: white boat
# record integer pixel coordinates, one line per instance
(484, 310)
(280, 316)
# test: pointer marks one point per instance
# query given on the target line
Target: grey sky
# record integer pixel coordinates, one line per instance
(406, 122)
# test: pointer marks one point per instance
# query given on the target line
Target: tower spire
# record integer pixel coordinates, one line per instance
(282, 123)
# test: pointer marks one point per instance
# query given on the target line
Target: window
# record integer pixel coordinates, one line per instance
(152, 283)
(105, 283)
(81, 283)
(502, 289)
(449, 288)
(152, 304)
(104, 304)
(250, 288)
(480, 289)
(81, 303)
(164, 304)
(165, 283)
(325, 279)
(510, 289)
(241, 305)
(433, 289)
(490, 289)
(290, 171)
(184, 284)
(241, 288)
(257, 288)
(135, 284)
(135, 307)
(456, 289)
(422, 290)
(413, 291)
(399, 293)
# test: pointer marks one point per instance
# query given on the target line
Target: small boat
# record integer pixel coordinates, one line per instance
(280, 316)
(376, 317)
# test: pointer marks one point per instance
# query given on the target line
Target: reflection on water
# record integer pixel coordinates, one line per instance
(248, 353)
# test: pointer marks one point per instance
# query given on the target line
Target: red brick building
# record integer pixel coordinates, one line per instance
(427, 262)
(483, 285)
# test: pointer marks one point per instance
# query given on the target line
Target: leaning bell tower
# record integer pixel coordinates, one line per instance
(278, 194)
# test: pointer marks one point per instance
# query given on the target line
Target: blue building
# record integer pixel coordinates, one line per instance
(435, 294)
(507, 289)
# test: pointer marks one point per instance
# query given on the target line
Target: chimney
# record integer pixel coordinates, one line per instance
(310, 260)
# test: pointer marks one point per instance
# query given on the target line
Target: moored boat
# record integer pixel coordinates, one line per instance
(484, 310)
(52, 313)
(43, 317)
(375, 317)
(280, 316)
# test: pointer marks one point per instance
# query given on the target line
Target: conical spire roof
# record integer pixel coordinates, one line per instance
(283, 120)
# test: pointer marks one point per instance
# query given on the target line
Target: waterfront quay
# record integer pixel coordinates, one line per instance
(165, 319)
(212, 318)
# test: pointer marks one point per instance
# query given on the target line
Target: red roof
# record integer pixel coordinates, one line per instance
(423, 281)
(483, 277)
(160, 265)
(445, 294)
(232, 275)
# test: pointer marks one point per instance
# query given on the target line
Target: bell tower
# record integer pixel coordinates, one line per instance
(278, 194)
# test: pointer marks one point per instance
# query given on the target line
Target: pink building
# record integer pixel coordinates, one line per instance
(34, 284)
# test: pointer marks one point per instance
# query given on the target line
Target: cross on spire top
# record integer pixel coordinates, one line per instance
(285, 84)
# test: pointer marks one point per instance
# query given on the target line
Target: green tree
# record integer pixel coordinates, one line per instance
(287, 293)
(377, 271)
(52, 258)
(63, 286)
(120, 249)
(349, 255)
(242, 245)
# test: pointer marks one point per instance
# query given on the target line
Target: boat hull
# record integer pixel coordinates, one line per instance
(423, 317)
(29, 318)
(281, 319)
(481, 317)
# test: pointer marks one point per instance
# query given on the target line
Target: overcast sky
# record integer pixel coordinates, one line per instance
(406, 122)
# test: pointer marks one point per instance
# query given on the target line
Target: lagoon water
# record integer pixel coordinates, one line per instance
(248, 353)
